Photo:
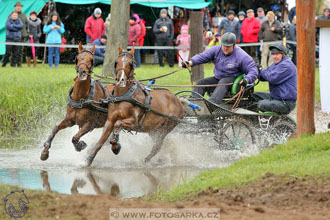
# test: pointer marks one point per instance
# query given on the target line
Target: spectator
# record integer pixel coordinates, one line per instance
(238, 26)
(249, 31)
(22, 16)
(94, 26)
(54, 28)
(34, 32)
(269, 31)
(282, 79)
(227, 24)
(141, 23)
(229, 61)
(183, 40)
(99, 52)
(163, 29)
(262, 18)
(292, 13)
(326, 15)
(216, 40)
(207, 37)
(261, 15)
(293, 37)
(107, 24)
(14, 26)
(133, 38)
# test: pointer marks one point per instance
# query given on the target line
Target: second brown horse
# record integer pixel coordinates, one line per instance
(133, 117)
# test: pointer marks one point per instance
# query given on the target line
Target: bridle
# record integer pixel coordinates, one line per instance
(90, 68)
(132, 65)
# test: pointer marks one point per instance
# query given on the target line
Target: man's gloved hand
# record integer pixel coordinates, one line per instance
(243, 82)
(186, 64)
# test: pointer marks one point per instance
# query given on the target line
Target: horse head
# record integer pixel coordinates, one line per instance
(84, 62)
(124, 67)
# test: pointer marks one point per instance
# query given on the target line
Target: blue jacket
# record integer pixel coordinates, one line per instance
(13, 28)
(54, 36)
(99, 51)
(235, 64)
(282, 78)
(227, 26)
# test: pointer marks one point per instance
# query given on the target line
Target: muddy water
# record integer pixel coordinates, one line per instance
(181, 158)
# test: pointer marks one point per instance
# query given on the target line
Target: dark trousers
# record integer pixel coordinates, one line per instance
(20, 55)
(98, 60)
(13, 51)
(219, 92)
(167, 53)
(267, 104)
(251, 50)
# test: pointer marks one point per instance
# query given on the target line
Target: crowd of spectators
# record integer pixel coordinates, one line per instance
(247, 28)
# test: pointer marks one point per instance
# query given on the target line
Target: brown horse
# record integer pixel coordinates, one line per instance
(137, 115)
(85, 88)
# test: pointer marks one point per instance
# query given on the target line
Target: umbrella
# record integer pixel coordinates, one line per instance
(33, 48)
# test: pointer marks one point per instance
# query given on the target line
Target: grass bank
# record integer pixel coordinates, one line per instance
(29, 97)
(308, 155)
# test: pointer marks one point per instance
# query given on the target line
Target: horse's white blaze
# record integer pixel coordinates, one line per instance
(122, 80)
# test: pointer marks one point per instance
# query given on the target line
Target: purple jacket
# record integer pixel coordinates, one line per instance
(235, 64)
(282, 78)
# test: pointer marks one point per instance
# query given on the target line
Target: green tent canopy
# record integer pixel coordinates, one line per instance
(7, 6)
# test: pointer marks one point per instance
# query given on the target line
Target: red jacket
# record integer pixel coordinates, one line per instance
(133, 34)
(94, 28)
(143, 32)
(250, 29)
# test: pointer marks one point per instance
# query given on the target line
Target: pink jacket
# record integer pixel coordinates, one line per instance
(94, 28)
(250, 29)
(184, 41)
(133, 34)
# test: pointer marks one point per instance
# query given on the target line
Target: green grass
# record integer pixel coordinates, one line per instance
(308, 155)
(29, 97)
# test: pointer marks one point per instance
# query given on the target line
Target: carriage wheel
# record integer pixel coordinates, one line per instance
(281, 131)
(236, 135)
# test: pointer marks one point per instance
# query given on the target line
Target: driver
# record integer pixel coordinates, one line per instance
(229, 62)
(282, 79)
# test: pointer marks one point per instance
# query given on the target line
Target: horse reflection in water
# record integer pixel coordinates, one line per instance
(114, 189)
(135, 108)
(85, 88)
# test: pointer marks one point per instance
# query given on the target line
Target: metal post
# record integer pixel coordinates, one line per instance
(306, 66)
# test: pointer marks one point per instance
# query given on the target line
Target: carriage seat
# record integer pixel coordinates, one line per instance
(235, 88)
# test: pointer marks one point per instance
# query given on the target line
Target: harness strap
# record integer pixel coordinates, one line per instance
(80, 103)
(88, 102)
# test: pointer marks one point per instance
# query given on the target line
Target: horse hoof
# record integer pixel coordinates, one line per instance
(89, 161)
(80, 146)
(44, 155)
(116, 148)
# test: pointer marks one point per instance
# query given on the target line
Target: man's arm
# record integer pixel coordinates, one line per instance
(276, 76)
(206, 56)
(250, 69)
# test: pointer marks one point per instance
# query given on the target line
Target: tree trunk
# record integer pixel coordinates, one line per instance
(118, 33)
(196, 27)
(305, 66)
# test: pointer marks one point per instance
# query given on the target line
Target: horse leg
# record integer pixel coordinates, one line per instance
(156, 147)
(108, 127)
(114, 140)
(80, 145)
(64, 124)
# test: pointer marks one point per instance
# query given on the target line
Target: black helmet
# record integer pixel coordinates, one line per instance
(278, 48)
(228, 39)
